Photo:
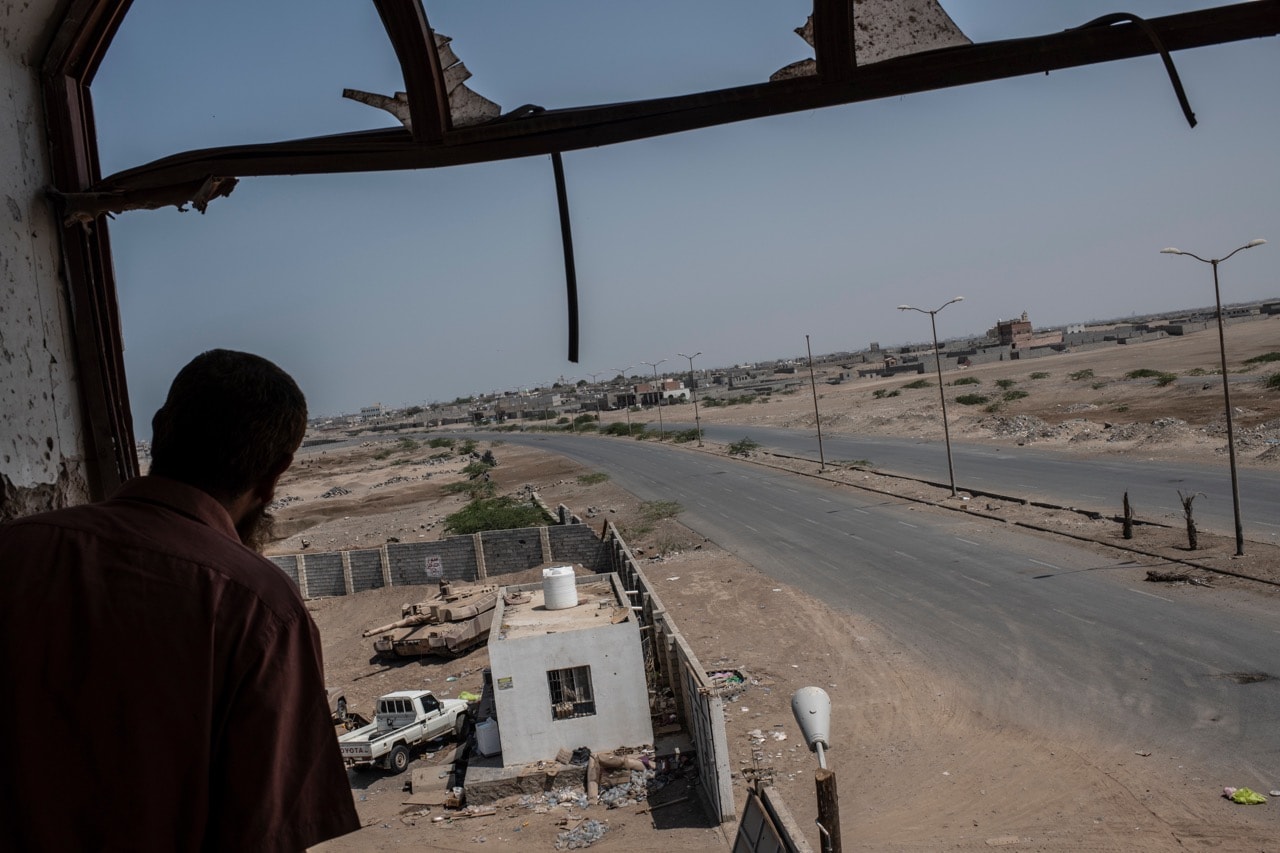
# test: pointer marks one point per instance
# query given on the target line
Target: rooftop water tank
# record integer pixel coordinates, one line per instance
(559, 588)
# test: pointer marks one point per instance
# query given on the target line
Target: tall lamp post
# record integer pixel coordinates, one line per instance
(697, 420)
(654, 364)
(622, 371)
(1226, 389)
(597, 392)
(937, 361)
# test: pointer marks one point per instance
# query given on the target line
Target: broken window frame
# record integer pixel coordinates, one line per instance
(572, 694)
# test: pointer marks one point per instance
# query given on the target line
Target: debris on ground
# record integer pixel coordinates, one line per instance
(1155, 576)
(1244, 796)
(583, 835)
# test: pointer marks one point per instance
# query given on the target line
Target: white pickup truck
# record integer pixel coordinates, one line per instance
(403, 720)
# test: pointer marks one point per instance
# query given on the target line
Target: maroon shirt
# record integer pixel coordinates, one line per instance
(164, 683)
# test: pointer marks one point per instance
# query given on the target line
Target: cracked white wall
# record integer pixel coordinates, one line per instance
(41, 442)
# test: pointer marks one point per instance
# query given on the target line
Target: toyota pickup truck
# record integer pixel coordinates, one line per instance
(403, 720)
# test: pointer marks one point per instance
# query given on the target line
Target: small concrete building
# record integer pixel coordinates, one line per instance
(571, 676)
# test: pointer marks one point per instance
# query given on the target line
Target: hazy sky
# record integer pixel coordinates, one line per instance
(1046, 194)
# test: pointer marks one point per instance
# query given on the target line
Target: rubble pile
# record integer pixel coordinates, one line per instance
(336, 491)
(584, 835)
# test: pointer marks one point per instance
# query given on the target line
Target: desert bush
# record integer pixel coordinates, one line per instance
(1040, 374)
(382, 454)
(652, 511)
(477, 469)
(1272, 382)
(1161, 377)
(592, 478)
(684, 436)
(881, 393)
(743, 447)
(1010, 396)
(919, 383)
(467, 447)
(993, 408)
(440, 442)
(1006, 383)
(500, 513)
(1265, 358)
(618, 429)
(967, 380)
(1099, 385)
(972, 399)
(1079, 375)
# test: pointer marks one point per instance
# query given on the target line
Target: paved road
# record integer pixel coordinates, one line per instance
(1047, 634)
(1097, 484)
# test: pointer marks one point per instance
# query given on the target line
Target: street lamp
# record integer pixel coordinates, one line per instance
(697, 420)
(622, 371)
(937, 361)
(597, 391)
(654, 364)
(811, 706)
(1226, 390)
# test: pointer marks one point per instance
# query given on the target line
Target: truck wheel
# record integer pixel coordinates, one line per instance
(398, 760)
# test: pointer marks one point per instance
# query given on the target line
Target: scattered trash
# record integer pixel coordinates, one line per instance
(467, 696)
(584, 835)
(1143, 752)
(1274, 793)
(1244, 796)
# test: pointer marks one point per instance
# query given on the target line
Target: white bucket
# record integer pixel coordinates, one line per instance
(559, 588)
(488, 741)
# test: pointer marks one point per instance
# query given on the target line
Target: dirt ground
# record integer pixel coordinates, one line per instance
(922, 771)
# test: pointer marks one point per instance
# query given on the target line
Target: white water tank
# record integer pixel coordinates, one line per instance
(559, 588)
(488, 742)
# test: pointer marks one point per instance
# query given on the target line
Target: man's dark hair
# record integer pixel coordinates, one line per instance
(230, 418)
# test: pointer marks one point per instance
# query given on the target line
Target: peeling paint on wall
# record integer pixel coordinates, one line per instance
(67, 489)
(41, 444)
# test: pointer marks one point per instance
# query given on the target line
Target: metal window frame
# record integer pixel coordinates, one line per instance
(572, 692)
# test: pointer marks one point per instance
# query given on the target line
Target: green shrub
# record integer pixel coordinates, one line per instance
(972, 399)
(1122, 408)
(440, 442)
(1142, 373)
(476, 469)
(617, 428)
(743, 447)
(592, 478)
(585, 418)
(919, 383)
(1087, 373)
(992, 408)
(1272, 382)
(1010, 396)
(967, 380)
(1166, 379)
(562, 420)
(500, 513)
(684, 436)
(1197, 371)
(1040, 374)
(382, 454)
(1099, 385)
(652, 511)
(467, 447)
(1265, 358)
(881, 393)
(1006, 383)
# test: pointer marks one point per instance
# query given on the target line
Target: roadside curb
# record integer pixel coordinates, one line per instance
(990, 517)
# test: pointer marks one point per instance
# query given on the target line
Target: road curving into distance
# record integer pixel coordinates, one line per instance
(1044, 633)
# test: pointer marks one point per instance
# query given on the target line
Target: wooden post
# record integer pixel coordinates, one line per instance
(1128, 518)
(828, 810)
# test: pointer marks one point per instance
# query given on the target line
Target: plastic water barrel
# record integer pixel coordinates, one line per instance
(559, 588)
(487, 740)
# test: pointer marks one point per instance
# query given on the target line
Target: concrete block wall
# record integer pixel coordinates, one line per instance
(501, 552)
(366, 570)
(675, 666)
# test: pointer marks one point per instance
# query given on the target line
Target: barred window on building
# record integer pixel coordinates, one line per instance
(571, 693)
